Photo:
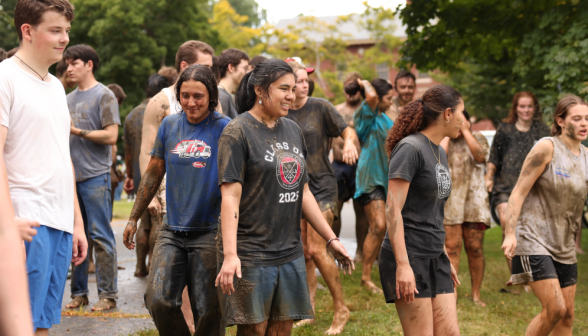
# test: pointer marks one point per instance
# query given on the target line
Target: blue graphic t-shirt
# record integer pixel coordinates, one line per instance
(190, 154)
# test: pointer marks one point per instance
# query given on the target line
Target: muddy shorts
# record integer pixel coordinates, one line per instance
(345, 175)
(542, 267)
(326, 206)
(499, 198)
(277, 293)
(147, 221)
(433, 276)
(378, 194)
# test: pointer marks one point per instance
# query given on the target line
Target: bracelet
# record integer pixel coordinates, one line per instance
(331, 240)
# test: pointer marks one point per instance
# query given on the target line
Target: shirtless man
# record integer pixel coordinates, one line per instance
(191, 52)
(345, 174)
(405, 86)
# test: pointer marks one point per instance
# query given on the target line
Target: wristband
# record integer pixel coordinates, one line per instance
(331, 240)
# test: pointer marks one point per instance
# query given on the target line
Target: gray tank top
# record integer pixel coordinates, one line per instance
(551, 214)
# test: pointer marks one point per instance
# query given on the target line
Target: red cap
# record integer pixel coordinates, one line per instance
(299, 61)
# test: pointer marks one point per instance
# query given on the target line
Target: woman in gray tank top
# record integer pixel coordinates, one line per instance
(546, 208)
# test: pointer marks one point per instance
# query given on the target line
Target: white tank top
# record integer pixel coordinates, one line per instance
(174, 105)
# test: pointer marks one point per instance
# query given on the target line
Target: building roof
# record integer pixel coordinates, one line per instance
(350, 30)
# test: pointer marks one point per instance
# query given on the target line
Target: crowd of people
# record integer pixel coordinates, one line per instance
(238, 199)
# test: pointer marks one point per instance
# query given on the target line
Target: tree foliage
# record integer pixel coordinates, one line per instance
(8, 36)
(233, 28)
(256, 16)
(490, 49)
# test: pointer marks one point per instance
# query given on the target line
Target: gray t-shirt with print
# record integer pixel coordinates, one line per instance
(92, 109)
(415, 159)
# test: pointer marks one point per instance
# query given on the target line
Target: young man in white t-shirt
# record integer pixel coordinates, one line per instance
(34, 140)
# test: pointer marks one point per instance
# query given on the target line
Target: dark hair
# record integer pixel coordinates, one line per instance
(562, 108)
(419, 114)
(513, 116)
(264, 74)
(256, 60)
(404, 74)
(381, 86)
(169, 73)
(466, 115)
(155, 83)
(215, 69)
(230, 56)
(188, 52)
(310, 87)
(118, 91)
(31, 12)
(204, 75)
(84, 53)
(60, 68)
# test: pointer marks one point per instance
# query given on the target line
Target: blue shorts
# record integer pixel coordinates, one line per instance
(48, 258)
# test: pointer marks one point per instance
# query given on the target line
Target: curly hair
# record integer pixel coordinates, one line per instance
(512, 114)
(419, 114)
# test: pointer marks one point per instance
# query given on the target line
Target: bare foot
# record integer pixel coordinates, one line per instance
(139, 273)
(303, 323)
(104, 304)
(339, 322)
(78, 301)
(371, 286)
(478, 302)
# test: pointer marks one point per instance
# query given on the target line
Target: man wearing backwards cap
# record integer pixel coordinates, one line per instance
(319, 121)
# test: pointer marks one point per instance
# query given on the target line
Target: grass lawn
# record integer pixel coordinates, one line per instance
(122, 209)
(505, 314)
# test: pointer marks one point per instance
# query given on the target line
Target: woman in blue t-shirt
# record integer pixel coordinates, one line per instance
(186, 149)
(414, 267)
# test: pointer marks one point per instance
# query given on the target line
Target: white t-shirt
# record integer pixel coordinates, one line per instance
(36, 152)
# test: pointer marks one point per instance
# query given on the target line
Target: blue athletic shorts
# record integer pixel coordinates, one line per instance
(48, 259)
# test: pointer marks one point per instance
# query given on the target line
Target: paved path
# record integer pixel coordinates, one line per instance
(131, 290)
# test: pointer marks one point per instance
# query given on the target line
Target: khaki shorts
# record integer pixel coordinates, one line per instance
(147, 221)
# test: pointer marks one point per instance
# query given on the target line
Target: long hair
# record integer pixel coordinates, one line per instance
(419, 114)
(513, 116)
(264, 74)
(561, 110)
(204, 75)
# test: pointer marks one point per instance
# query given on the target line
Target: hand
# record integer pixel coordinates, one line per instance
(344, 261)
(454, 277)
(25, 228)
(231, 266)
(489, 184)
(154, 207)
(80, 245)
(363, 83)
(405, 283)
(350, 155)
(129, 185)
(509, 246)
(129, 234)
(465, 127)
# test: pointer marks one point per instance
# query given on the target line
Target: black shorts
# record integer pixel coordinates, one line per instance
(345, 175)
(500, 197)
(378, 194)
(433, 276)
(542, 267)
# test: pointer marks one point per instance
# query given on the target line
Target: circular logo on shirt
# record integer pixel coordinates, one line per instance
(443, 181)
(289, 170)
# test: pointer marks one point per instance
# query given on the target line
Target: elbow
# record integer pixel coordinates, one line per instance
(112, 141)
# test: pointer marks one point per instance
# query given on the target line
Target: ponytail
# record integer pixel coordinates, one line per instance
(419, 114)
(244, 100)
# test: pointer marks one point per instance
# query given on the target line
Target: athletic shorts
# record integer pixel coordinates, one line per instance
(378, 194)
(48, 259)
(541, 267)
(277, 293)
(476, 226)
(326, 206)
(500, 197)
(345, 175)
(433, 276)
(147, 221)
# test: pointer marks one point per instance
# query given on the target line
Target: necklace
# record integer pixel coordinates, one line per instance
(438, 150)
(33, 70)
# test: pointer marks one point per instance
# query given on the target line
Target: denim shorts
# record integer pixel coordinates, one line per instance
(277, 293)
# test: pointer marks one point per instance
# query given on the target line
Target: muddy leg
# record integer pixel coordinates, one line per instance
(501, 209)
(257, 329)
(553, 305)
(564, 327)
(373, 241)
(91, 265)
(474, 246)
(142, 251)
(153, 233)
(453, 244)
(187, 310)
(337, 222)
(362, 227)
(279, 328)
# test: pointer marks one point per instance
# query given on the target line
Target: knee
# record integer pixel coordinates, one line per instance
(379, 229)
(568, 317)
(475, 250)
(156, 303)
(453, 246)
(556, 312)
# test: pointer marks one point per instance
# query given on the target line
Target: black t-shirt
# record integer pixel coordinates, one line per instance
(509, 150)
(413, 160)
(269, 163)
(228, 103)
(319, 121)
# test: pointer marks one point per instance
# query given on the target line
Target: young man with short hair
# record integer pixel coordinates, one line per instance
(94, 129)
(405, 86)
(233, 64)
(61, 74)
(39, 176)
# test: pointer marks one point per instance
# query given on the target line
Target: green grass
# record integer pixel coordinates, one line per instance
(122, 209)
(505, 314)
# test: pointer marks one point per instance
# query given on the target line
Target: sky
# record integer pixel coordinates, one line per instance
(277, 10)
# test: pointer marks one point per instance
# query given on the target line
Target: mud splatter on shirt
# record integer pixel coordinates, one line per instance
(132, 135)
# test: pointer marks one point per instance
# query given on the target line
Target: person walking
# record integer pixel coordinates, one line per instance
(186, 149)
(94, 129)
(416, 273)
(513, 141)
(543, 218)
(467, 211)
(264, 179)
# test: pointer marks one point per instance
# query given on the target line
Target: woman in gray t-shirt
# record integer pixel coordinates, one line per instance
(413, 262)
(546, 208)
